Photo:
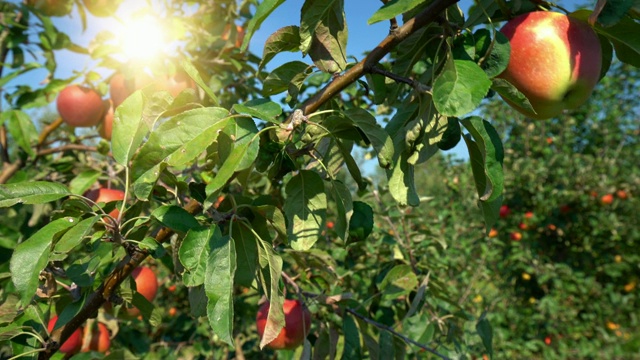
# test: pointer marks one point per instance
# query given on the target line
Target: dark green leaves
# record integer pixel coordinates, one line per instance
(305, 208)
(460, 87)
(284, 39)
(392, 9)
(323, 34)
(361, 222)
(399, 281)
(218, 285)
(510, 93)
(32, 192)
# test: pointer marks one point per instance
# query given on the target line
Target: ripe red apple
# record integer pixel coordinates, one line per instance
(177, 83)
(621, 194)
(493, 233)
(98, 338)
(297, 320)
(120, 87)
(606, 199)
(73, 343)
(504, 211)
(106, 195)
(555, 61)
(106, 125)
(528, 215)
(516, 236)
(80, 106)
(523, 226)
(146, 285)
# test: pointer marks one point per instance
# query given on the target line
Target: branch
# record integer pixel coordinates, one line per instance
(63, 148)
(424, 18)
(389, 329)
(400, 79)
(107, 288)
(48, 130)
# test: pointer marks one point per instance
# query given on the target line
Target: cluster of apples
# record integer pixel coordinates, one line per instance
(81, 106)
(555, 62)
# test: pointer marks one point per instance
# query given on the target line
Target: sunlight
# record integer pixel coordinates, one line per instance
(142, 38)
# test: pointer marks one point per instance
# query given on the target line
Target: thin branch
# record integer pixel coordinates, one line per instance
(108, 287)
(48, 130)
(77, 147)
(400, 79)
(429, 15)
(391, 330)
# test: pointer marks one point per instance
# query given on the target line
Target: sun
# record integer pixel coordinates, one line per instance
(142, 39)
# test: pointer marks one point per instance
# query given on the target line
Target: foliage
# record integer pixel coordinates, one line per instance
(243, 186)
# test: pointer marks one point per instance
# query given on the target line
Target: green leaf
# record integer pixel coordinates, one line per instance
(129, 128)
(83, 181)
(323, 34)
(460, 87)
(493, 52)
(511, 93)
(352, 349)
(380, 139)
(218, 285)
(492, 151)
(23, 131)
(392, 9)
(195, 75)
(239, 133)
(31, 257)
(284, 39)
(285, 75)
(399, 281)
(75, 235)
(305, 208)
(401, 182)
(194, 253)
(31, 192)
(451, 136)
(344, 208)
(270, 275)
(263, 109)
(179, 140)
(246, 252)
(265, 8)
(485, 331)
(175, 218)
(361, 222)
(613, 12)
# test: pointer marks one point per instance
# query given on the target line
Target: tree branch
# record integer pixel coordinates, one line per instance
(107, 288)
(391, 330)
(429, 15)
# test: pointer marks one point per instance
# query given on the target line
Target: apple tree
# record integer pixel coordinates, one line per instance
(239, 182)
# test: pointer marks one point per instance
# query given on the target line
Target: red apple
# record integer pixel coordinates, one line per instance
(297, 320)
(106, 195)
(120, 87)
(239, 34)
(516, 236)
(547, 340)
(621, 194)
(555, 61)
(106, 126)
(493, 233)
(606, 199)
(146, 285)
(98, 338)
(177, 83)
(330, 225)
(73, 343)
(523, 226)
(528, 215)
(504, 211)
(80, 106)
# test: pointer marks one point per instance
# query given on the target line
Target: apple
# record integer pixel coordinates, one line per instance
(80, 106)
(297, 320)
(330, 225)
(52, 7)
(523, 226)
(516, 236)
(177, 83)
(173, 311)
(555, 61)
(102, 8)
(621, 194)
(97, 338)
(73, 343)
(606, 199)
(106, 126)
(547, 340)
(239, 34)
(493, 233)
(504, 211)
(106, 195)
(146, 285)
(528, 215)
(120, 87)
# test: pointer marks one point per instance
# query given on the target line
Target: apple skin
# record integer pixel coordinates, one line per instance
(73, 343)
(606, 199)
(297, 324)
(504, 211)
(555, 61)
(146, 284)
(80, 106)
(98, 338)
(106, 195)
(120, 87)
(106, 126)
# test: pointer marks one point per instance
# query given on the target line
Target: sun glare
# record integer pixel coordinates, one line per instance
(142, 38)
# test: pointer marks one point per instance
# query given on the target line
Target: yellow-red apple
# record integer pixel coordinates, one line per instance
(106, 125)
(73, 343)
(80, 106)
(555, 61)
(297, 320)
(106, 195)
(98, 338)
(146, 285)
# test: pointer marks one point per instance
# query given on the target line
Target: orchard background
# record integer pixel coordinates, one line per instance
(328, 180)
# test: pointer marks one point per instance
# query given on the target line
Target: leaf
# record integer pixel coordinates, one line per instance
(460, 87)
(195, 75)
(194, 254)
(352, 348)
(305, 208)
(265, 8)
(484, 329)
(246, 253)
(31, 192)
(352, 166)
(218, 285)
(380, 139)
(451, 136)
(492, 151)
(263, 109)
(31, 257)
(283, 76)
(179, 140)
(613, 12)
(270, 274)
(392, 9)
(83, 181)
(284, 39)
(323, 34)
(75, 235)
(511, 93)
(400, 280)
(22, 130)
(239, 133)
(129, 128)
(175, 218)
(494, 53)
(344, 208)
(401, 182)
(361, 222)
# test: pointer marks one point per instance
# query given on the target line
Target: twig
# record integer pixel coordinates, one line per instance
(48, 130)
(107, 288)
(397, 334)
(400, 79)
(427, 16)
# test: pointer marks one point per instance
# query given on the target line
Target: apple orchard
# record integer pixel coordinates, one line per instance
(182, 197)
